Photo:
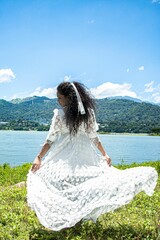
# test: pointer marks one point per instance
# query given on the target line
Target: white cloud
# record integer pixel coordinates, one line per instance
(104, 90)
(109, 89)
(141, 68)
(67, 78)
(156, 97)
(149, 87)
(91, 21)
(46, 92)
(156, 1)
(128, 70)
(6, 75)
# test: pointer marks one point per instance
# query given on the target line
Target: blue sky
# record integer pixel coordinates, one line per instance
(111, 46)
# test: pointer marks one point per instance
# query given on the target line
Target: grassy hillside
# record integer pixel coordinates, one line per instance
(138, 220)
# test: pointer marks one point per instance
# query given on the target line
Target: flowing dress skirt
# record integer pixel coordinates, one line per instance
(75, 182)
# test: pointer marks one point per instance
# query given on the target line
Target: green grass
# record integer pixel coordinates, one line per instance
(138, 220)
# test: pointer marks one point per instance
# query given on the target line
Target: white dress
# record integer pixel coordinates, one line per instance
(74, 182)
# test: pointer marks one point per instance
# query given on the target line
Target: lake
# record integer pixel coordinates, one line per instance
(18, 147)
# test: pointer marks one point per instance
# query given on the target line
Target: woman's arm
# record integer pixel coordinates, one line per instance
(38, 159)
(101, 149)
(92, 133)
(53, 133)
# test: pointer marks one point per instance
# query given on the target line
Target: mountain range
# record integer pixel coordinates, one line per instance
(115, 114)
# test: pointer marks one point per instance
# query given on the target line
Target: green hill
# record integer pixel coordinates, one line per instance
(121, 115)
(113, 114)
(39, 109)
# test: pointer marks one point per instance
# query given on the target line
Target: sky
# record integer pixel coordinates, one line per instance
(111, 46)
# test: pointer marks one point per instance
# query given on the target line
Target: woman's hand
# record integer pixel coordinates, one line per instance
(108, 159)
(103, 152)
(36, 164)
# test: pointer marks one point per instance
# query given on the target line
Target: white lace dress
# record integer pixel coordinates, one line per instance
(75, 182)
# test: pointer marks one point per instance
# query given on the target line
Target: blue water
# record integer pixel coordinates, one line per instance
(18, 147)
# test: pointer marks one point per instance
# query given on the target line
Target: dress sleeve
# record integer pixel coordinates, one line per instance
(55, 128)
(92, 130)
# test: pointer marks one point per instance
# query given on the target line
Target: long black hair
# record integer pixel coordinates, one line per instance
(72, 115)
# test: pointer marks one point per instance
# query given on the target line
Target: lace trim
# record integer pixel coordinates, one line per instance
(92, 129)
(95, 140)
(55, 128)
(62, 207)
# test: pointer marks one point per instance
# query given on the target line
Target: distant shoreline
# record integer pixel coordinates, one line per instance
(125, 133)
(102, 133)
(130, 134)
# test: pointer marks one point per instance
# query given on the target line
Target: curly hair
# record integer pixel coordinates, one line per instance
(72, 115)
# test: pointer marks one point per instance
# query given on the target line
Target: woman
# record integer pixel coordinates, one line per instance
(74, 182)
